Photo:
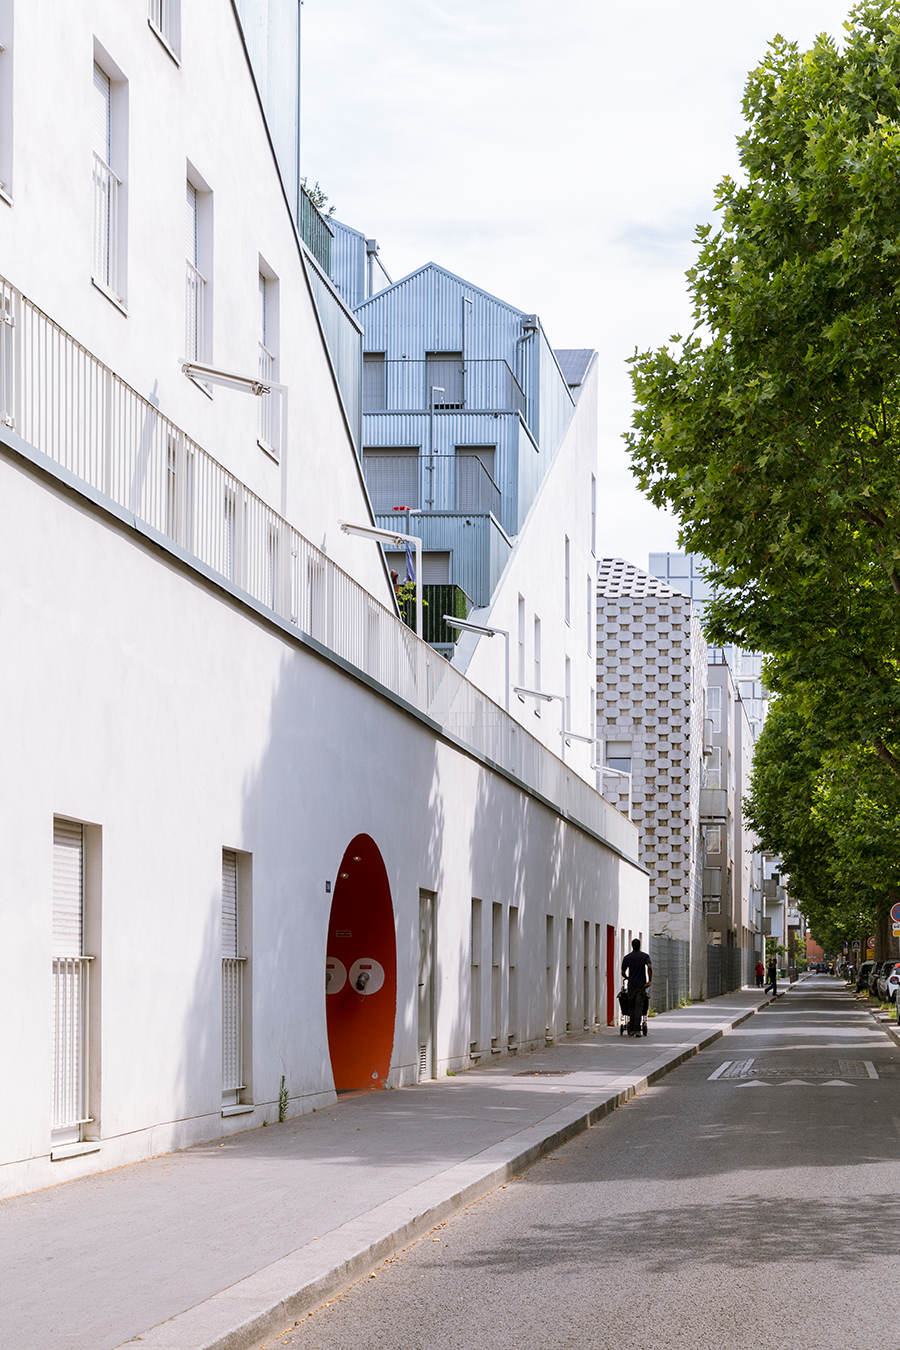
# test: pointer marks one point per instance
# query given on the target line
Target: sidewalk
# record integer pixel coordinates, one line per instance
(224, 1245)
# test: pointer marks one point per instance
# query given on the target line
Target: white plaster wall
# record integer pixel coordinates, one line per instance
(204, 111)
(148, 703)
(536, 571)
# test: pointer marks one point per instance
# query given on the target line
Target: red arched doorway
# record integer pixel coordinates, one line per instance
(361, 970)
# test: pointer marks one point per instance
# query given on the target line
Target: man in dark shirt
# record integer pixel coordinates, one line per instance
(637, 972)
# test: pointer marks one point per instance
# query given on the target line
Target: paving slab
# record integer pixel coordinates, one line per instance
(225, 1245)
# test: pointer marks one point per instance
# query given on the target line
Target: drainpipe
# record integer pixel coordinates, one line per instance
(371, 252)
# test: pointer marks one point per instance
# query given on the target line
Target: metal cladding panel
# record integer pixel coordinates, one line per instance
(271, 31)
(348, 264)
(424, 313)
(531, 464)
(477, 547)
(391, 430)
(344, 342)
(556, 403)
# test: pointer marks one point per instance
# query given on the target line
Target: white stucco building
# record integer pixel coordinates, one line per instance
(233, 777)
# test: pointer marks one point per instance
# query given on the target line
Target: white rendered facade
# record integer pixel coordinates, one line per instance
(211, 697)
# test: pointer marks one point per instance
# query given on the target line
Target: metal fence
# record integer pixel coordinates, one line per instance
(315, 231)
(232, 1028)
(70, 990)
(72, 408)
(723, 970)
(485, 385)
(671, 958)
(443, 482)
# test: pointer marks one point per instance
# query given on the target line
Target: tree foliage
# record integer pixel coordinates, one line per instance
(773, 429)
(832, 811)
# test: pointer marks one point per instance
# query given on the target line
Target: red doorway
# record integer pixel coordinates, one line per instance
(610, 974)
(361, 970)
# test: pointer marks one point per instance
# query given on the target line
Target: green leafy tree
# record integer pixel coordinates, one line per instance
(773, 429)
(318, 197)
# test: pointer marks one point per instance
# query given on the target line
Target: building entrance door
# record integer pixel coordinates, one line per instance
(426, 985)
(361, 970)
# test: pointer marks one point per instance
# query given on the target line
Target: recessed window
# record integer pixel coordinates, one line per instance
(109, 121)
(618, 755)
(392, 477)
(198, 269)
(373, 390)
(165, 19)
(269, 432)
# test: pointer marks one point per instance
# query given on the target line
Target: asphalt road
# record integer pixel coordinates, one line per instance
(755, 1205)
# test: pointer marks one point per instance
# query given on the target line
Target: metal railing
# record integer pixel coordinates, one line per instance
(486, 384)
(269, 404)
(315, 231)
(232, 1027)
(457, 482)
(70, 1005)
(194, 291)
(106, 225)
(75, 410)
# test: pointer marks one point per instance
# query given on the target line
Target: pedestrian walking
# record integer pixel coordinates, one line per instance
(637, 972)
(772, 978)
(760, 972)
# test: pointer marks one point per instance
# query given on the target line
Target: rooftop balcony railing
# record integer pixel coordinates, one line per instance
(484, 385)
(315, 231)
(411, 481)
(66, 404)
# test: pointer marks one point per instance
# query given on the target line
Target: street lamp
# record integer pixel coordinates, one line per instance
(547, 698)
(484, 631)
(399, 541)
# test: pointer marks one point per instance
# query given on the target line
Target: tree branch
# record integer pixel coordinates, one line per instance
(885, 755)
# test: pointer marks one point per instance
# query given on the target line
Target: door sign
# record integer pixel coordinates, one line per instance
(366, 976)
(335, 975)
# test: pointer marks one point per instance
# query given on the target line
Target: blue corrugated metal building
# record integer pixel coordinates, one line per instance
(464, 404)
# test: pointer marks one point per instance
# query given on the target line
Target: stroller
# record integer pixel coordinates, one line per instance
(622, 996)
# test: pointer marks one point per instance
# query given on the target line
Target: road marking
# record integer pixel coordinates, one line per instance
(794, 1082)
(719, 1070)
(755, 1082)
(836, 1082)
(870, 1068)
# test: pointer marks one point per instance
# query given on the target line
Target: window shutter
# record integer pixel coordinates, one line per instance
(100, 108)
(68, 888)
(262, 310)
(229, 903)
(191, 239)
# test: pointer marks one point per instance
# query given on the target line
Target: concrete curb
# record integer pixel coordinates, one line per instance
(264, 1305)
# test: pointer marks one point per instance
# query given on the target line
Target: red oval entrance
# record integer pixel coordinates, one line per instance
(361, 970)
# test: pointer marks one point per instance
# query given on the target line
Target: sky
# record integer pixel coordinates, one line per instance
(558, 155)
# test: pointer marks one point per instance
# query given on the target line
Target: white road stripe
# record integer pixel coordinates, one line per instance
(870, 1068)
(719, 1070)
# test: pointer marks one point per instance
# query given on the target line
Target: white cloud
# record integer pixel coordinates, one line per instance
(558, 155)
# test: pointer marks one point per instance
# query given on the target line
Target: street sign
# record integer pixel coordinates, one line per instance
(897, 932)
(855, 944)
(895, 913)
(870, 942)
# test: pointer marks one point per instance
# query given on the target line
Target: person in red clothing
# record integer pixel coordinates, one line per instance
(760, 972)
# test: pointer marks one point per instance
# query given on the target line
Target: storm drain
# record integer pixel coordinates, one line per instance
(544, 1073)
(836, 1068)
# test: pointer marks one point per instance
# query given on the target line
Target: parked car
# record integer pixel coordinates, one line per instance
(879, 968)
(862, 979)
(887, 991)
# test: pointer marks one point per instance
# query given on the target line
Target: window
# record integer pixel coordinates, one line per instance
(476, 489)
(712, 768)
(618, 755)
(444, 380)
(392, 477)
(71, 966)
(591, 635)
(475, 980)
(165, 19)
(568, 707)
(593, 515)
(269, 433)
(109, 117)
(537, 656)
(435, 566)
(567, 598)
(233, 982)
(520, 643)
(6, 97)
(198, 256)
(713, 839)
(373, 390)
(714, 706)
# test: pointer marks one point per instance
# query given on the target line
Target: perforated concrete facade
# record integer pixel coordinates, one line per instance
(651, 693)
